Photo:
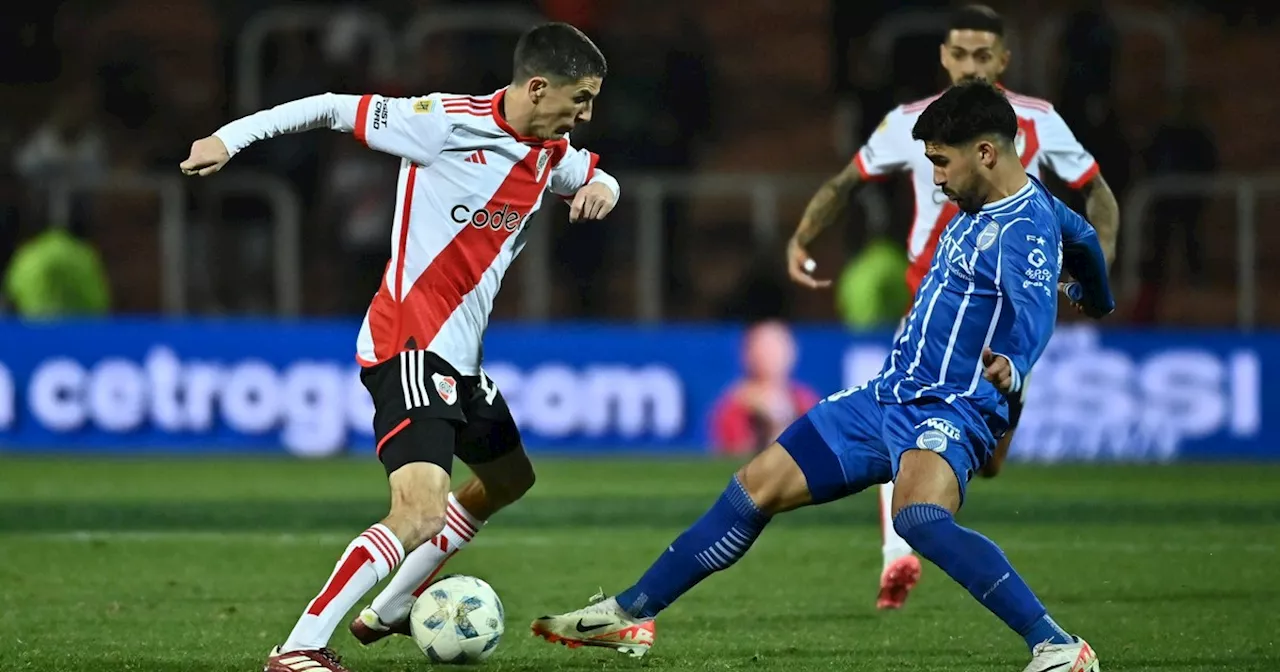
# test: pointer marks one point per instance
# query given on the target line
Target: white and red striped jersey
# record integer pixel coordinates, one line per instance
(468, 185)
(1044, 142)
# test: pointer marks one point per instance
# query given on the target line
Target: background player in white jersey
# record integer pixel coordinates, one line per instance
(974, 49)
(473, 171)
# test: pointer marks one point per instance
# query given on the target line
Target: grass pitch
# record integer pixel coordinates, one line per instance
(167, 564)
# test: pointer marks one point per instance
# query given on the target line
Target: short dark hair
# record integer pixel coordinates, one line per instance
(976, 17)
(966, 112)
(557, 51)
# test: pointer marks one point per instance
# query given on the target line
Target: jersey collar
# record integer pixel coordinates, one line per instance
(1011, 198)
(502, 121)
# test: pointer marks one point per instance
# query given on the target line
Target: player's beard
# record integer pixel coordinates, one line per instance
(967, 203)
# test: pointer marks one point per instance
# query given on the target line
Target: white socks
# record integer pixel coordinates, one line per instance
(894, 546)
(367, 560)
(421, 567)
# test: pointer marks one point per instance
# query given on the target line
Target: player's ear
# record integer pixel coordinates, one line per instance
(537, 88)
(987, 152)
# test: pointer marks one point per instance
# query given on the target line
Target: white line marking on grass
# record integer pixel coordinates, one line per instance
(514, 538)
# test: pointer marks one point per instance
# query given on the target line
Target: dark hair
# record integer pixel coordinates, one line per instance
(557, 51)
(977, 17)
(964, 113)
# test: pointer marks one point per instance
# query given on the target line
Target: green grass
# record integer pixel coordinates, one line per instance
(203, 565)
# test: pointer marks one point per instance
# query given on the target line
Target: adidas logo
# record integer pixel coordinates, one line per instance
(476, 157)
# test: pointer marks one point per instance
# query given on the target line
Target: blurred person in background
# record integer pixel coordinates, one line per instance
(758, 406)
(57, 275)
(1182, 144)
(973, 49)
(869, 291)
(69, 144)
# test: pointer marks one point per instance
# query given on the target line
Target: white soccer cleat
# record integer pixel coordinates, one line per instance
(1077, 657)
(603, 624)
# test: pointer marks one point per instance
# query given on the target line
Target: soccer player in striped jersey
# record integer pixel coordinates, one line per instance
(933, 416)
(974, 50)
(473, 170)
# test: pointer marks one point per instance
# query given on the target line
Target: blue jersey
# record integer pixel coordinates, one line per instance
(993, 283)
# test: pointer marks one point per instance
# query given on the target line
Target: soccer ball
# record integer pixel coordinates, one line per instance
(458, 619)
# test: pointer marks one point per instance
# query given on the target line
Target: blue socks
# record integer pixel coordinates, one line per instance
(721, 536)
(724, 533)
(976, 563)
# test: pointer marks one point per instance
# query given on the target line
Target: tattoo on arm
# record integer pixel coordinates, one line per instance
(1103, 213)
(828, 204)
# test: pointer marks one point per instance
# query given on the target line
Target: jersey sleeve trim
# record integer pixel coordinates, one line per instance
(1087, 177)
(866, 174)
(362, 117)
(591, 173)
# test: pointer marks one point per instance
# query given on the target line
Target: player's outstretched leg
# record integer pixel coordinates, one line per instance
(771, 483)
(494, 485)
(901, 570)
(418, 496)
(925, 501)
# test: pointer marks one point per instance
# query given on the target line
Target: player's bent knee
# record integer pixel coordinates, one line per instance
(774, 481)
(925, 477)
(507, 478)
(419, 495)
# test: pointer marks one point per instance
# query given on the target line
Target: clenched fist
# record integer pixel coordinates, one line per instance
(999, 370)
(593, 201)
(208, 156)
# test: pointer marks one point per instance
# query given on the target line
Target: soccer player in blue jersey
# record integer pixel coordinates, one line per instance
(933, 415)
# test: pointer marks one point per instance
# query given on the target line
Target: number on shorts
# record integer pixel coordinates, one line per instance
(843, 393)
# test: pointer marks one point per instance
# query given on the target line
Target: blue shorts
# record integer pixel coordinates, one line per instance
(850, 441)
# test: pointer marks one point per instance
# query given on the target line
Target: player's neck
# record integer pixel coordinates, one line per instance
(1005, 183)
(517, 109)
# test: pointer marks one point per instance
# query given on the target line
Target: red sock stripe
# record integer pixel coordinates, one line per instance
(379, 543)
(450, 525)
(392, 544)
(461, 521)
(356, 559)
(462, 517)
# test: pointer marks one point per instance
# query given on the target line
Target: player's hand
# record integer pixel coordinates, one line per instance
(593, 201)
(1071, 290)
(208, 156)
(800, 266)
(998, 370)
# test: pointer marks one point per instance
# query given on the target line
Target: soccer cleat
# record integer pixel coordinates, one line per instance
(1076, 657)
(312, 660)
(367, 628)
(603, 624)
(897, 581)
